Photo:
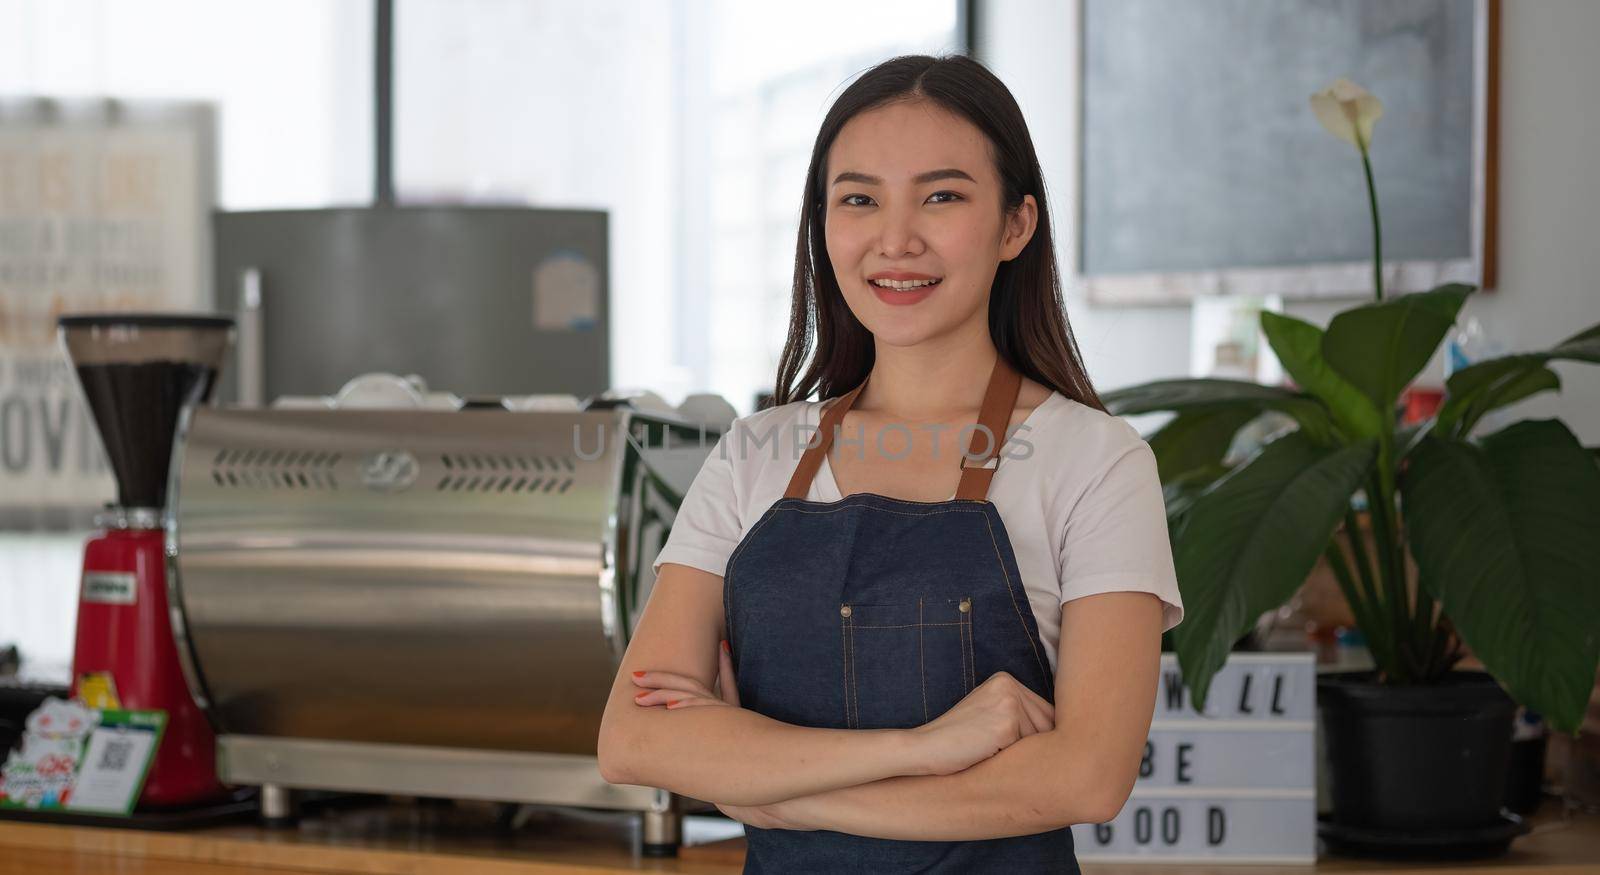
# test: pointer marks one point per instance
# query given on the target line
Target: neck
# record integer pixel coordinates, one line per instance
(939, 378)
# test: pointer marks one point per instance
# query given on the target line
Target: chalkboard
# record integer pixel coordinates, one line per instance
(1203, 169)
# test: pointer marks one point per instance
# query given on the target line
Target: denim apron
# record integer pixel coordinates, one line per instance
(872, 613)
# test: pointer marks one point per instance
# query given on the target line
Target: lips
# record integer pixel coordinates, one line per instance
(906, 294)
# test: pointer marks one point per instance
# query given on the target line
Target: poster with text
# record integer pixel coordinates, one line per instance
(104, 206)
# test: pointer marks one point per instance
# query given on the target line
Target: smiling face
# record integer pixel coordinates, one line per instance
(913, 221)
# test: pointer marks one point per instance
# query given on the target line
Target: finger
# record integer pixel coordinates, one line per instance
(1039, 713)
(1043, 707)
(725, 680)
(662, 696)
(1025, 721)
(693, 702)
(670, 679)
(1030, 719)
(999, 691)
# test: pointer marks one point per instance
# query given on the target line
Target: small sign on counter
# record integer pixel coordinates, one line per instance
(1233, 784)
(77, 758)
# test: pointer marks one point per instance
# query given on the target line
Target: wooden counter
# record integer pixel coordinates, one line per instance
(404, 838)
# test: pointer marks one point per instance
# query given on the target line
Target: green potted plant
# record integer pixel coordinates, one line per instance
(1503, 529)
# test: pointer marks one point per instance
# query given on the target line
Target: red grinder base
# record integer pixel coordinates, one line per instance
(124, 631)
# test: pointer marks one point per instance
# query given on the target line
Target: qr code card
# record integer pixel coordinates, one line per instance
(113, 769)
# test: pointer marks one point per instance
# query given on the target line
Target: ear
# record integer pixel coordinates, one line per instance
(1019, 228)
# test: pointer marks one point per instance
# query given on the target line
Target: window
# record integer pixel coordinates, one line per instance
(689, 122)
(292, 80)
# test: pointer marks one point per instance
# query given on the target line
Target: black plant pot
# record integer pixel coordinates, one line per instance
(1420, 759)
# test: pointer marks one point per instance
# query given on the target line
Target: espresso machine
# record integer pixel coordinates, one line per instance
(409, 592)
(138, 372)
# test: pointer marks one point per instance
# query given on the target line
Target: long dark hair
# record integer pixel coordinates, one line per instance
(1027, 318)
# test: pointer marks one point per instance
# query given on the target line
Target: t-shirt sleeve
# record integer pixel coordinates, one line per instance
(1116, 539)
(707, 527)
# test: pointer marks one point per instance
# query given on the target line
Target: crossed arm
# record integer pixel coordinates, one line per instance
(875, 782)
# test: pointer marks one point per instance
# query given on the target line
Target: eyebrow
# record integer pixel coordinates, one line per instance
(920, 179)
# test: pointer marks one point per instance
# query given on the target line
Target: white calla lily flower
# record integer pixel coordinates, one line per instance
(1348, 111)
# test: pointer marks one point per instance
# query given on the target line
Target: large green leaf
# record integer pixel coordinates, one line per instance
(1507, 538)
(1210, 395)
(1248, 542)
(1198, 439)
(1298, 345)
(1520, 386)
(1477, 389)
(1381, 347)
(1181, 492)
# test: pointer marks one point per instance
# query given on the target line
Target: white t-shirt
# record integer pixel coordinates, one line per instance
(1076, 488)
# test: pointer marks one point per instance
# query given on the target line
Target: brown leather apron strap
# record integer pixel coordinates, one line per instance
(999, 399)
(811, 462)
(994, 418)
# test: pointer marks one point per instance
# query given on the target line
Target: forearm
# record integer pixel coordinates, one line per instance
(1037, 784)
(739, 757)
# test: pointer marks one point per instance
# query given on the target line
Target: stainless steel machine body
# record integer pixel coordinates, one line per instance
(423, 602)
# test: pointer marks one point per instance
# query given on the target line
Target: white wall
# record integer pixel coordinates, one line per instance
(1549, 284)
(1549, 196)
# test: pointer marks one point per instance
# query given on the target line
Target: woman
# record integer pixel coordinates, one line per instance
(939, 651)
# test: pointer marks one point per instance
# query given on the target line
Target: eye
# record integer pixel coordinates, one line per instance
(953, 195)
(845, 201)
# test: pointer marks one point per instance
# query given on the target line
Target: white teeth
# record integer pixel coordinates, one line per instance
(902, 285)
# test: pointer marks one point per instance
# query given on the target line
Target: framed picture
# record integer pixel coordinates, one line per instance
(1201, 169)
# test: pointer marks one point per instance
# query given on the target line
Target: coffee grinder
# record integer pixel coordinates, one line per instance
(138, 371)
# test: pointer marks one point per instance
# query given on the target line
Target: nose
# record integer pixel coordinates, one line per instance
(899, 234)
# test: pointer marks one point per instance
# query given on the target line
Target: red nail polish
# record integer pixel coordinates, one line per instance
(671, 702)
(643, 694)
(638, 674)
(725, 647)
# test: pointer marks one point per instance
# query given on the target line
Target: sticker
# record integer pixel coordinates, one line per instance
(566, 293)
(39, 774)
(110, 587)
(98, 689)
(77, 758)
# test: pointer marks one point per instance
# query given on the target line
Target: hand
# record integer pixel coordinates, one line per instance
(989, 719)
(673, 690)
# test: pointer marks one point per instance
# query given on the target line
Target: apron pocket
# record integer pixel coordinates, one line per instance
(905, 663)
